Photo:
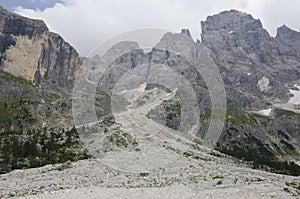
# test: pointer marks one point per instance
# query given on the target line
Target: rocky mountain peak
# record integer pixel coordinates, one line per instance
(247, 55)
(186, 32)
(11, 23)
(176, 42)
(123, 46)
(285, 29)
(230, 20)
(288, 41)
(238, 33)
(284, 34)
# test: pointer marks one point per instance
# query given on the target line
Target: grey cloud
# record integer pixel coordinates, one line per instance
(86, 23)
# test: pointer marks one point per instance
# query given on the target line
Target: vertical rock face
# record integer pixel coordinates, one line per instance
(239, 34)
(30, 51)
(58, 62)
(288, 42)
(13, 24)
(245, 53)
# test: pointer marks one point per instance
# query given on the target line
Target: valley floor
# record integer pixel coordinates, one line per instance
(179, 191)
(167, 165)
(195, 179)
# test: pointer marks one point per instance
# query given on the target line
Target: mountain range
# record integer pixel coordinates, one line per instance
(260, 74)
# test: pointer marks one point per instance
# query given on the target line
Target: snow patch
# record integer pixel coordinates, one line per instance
(142, 88)
(263, 83)
(296, 98)
(265, 111)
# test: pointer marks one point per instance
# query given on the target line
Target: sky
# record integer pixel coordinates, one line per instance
(30, 4)
(86, 23)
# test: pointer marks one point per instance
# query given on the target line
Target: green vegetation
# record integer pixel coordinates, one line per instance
(103, 103)
(193, 179)
(168, 113)
(189, 154)
(286, 189)
(235, 116)
(10, 78)
(122, 140)
(16, 114)
(293, 184)
(254, 150)
(250, 148)
(260, 160)
(220, 155)
(219, 182)
(283, 134)
(172, 110)
(260, 116)
(282, 112)
(214, 114)
(289, 149)
(217, 177)
(241, 117)
(38, 147)
(50, 96)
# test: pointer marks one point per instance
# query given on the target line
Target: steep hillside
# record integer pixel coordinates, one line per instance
(253, 67)
(37, 72)
(257, 73)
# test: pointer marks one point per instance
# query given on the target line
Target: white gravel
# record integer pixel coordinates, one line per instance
(177, 168)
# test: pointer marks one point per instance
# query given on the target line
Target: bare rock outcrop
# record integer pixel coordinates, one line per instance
(34, 53)
(246, 54)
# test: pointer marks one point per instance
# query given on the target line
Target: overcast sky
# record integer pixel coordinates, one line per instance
(85, 23)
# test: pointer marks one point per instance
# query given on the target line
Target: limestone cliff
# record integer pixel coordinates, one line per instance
(288, 42)
(254, 65)
(30, 51)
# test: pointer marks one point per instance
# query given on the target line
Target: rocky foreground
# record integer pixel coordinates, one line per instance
(190, 178)
(167, 165)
